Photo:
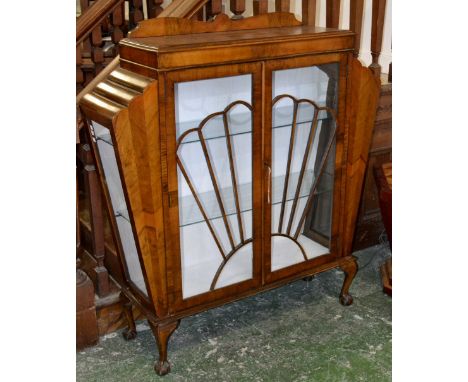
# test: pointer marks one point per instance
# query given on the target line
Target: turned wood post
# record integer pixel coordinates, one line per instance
(135, 12)
(238, 8)
(355, 23)
(333, 13)
(282, 5)
(260, 7)
(87, 333)
(79, 72)
(213, 9)
(378, 17)
(117, 21)
(97, 54)
(96, 219)
(154, 8)
(309, 11)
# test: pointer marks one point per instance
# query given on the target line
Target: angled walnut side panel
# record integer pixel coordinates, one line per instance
(135, 130)
(362, 100)
(170, 26)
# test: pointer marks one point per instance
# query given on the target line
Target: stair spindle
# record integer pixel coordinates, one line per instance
(333, 13)
(117, 20)
(135, 12)
(355, 22)
(79, 71)
(282, 5)
(96, 219)
(199, 16)
(260, 7)
(309, 10)
(97, 54)
(154, 8)
(213, 9)
(238, 8)
(378, 17)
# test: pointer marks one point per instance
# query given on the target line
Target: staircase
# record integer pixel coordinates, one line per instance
(101, 24)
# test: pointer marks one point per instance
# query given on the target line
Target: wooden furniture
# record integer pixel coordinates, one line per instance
(383, 178)
(231, 155)
(369, 225)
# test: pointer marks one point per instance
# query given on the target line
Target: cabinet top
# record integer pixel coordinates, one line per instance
(170, 43)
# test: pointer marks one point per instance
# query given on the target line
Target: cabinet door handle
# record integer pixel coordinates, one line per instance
(268, 183)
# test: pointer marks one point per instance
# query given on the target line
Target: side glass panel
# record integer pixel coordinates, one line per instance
(114, 185)
(214, 166)
(303, 137)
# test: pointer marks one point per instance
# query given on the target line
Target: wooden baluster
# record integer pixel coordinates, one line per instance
(309, 10)
(213, 9)
(238, 8)
(96, 219)
(355, 22)
(333, 13)
(154, 8)
(282, 5)
(199, 15)
(79, 71)
(378, 16)
(135, 13)
(260, 7)
(117, 19)
(97, 54)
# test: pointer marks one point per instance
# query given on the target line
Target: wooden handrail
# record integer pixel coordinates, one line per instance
(93, 16)
(183, 8)
(178, 8)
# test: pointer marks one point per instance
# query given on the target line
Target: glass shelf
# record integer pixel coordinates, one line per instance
(189, 213)
(241, 124)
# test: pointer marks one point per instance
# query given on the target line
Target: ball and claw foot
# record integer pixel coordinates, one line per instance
(129, 334)
(346, 299)
(162, 367)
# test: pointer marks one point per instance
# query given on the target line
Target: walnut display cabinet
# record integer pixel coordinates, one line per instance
(231, 155)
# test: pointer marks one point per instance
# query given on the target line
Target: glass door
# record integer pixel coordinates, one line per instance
(215, 137)
(301, 165)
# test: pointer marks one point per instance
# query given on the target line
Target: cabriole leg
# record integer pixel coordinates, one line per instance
(162, 332)
(350, 269)
(129, 333)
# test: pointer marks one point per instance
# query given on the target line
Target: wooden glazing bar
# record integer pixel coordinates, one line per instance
(310, 140)
(333, 13)
(216, 187)
(288, 166)
(233, 177)
(200, 206)
(314, 186)
(295, 241)
(260, 7)
(378, 18)
(225, 261)
(238, 8)
(309, 11)
(355, 22)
